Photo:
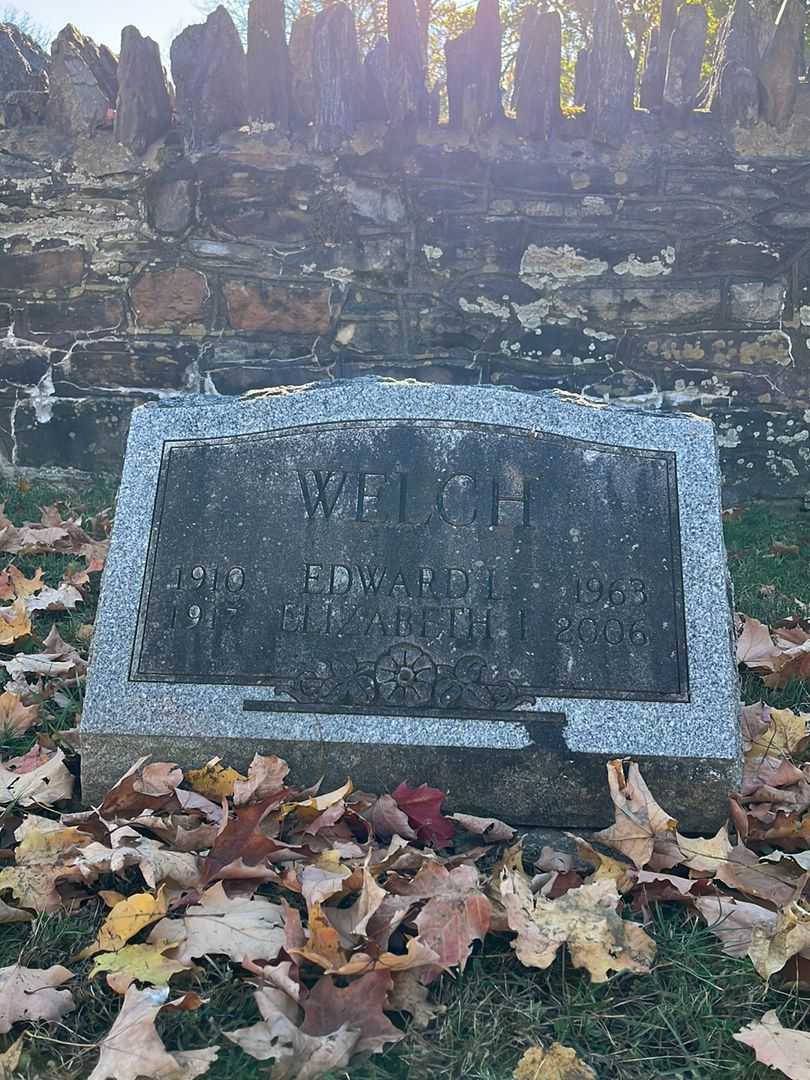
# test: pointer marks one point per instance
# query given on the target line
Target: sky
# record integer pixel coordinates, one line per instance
(103, 20)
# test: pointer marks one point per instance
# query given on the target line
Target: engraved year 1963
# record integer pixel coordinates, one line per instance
(613, 612)
(205, 596)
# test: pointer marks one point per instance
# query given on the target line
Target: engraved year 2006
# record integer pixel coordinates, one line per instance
(618, 620)
(210, 590)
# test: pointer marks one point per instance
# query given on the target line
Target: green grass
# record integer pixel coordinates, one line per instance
(675, 1023)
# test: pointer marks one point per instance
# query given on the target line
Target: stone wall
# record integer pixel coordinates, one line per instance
(666, 267)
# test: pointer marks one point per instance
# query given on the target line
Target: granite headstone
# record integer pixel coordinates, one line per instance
(491, 591)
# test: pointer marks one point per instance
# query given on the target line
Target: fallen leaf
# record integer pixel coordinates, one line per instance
(15, 717)
(734, 921)
(455, 915)
(57, 660)
(409, 994)
(585, 919)
(785, 549)
(605, 867)
(31, 994)
(13, 582)
(237, 927)
(145, 786)
(423, 807)
(15, 622)
(156, 862)
(557, 1063)
(10, 1059)
(772, 946)
(705, 855)
(44, 785)
(329, 1007)
(640, 821)
(265, 778)
(137, 963)
(241, 841)
(278, 1038)
(755, 648)
(491, 829)
(132, 1048)
(10, 914)
(213, 780)
(125, 920)
(387, 820)
(778, 1047)
(63, 598)
(34, 886)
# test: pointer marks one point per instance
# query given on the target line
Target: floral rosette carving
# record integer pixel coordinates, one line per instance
(405, 676)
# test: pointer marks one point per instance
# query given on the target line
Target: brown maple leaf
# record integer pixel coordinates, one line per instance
(132, 1048)
(360, 1005)
(242, 843)
(640, 821)
(265, 778)
(32, 994)
(585, 919)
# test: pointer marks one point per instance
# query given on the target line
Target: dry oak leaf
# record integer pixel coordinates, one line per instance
(640, 821)
(31, 994)
(298, 1056)
(137, 963)
(133, 1050)
(213, 780)
(359, 1005)
(557, 1063)
(491, 830)
(45, 784)
(387, 820)
(772, 946)
(127, 919)
(15, 622)
(241, 928)
(14, 716)
(585, 919)
(265, 777)
(778, 1047)
(455, 915)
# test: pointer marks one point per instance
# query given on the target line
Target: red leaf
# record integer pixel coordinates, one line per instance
(423, 808)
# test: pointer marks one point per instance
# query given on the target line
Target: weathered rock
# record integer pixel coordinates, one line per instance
(336, 71)
(208, 68)
(83, 83)
(286, 309)
(781, 65)
(268, 63)
(22, 107)
(405, 90)
(536, 99)
(651, 90)
(686, 47)
(375, 80)
(42, 270)
(581, 76)
(23, 64)
(736, 100)
(736, 50)
(474, 71)
(303, 84)
(143, 111)
(609, 100)
(173, 298)
(171, 198)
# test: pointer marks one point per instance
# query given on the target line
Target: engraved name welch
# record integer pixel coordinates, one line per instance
(506, 564)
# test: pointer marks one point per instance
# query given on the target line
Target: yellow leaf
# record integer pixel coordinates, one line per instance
(21, 585)
(141, 963)
(605, 867)
(557, 1063)
(42, 841)
(14, 716)
(786, 734)
(127, 919)
(310, 808)
(15, 622)
(10, 1059)
(213, 780)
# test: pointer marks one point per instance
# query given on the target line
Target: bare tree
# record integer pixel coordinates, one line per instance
(26, 22)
